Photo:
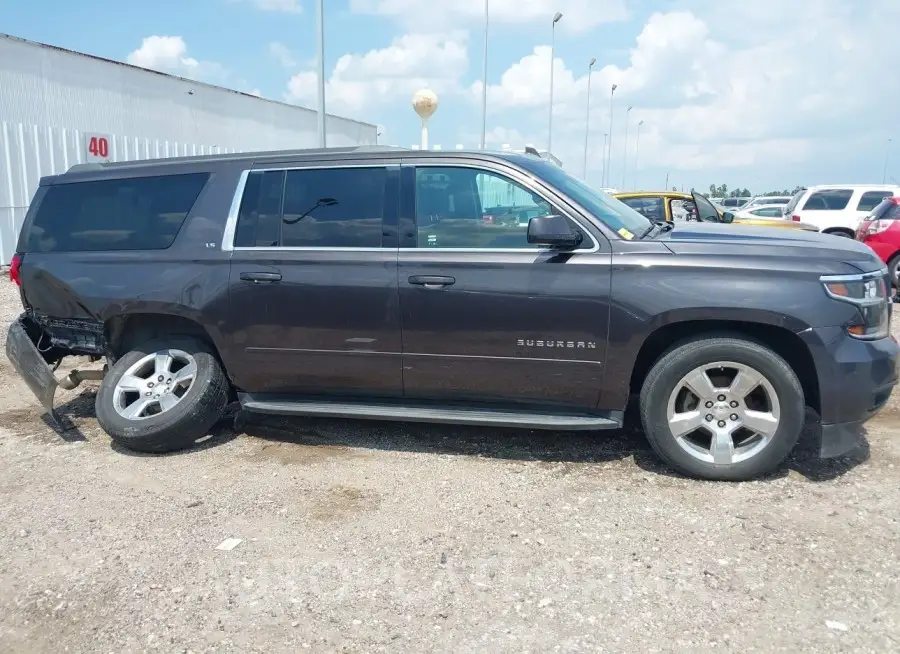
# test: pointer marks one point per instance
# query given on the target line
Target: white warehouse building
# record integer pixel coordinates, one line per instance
(59, 108)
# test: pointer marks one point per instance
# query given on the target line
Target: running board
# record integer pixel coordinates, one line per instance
(418, 413)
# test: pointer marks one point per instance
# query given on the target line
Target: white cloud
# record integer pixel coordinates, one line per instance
(282, 54)
(411, 62)
(578, 15)
(169, 54)
(782, 94)
(287, 6)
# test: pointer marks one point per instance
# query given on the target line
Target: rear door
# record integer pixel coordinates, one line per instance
(313, 286)
(488, 317)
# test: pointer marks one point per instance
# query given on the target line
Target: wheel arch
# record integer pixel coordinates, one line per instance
(779, 338)
(125, 331)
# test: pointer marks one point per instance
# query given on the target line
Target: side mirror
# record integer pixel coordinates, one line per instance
(554, 232)
(727, 217)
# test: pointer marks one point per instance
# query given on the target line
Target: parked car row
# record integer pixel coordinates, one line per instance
(837, 208)
(672, 206)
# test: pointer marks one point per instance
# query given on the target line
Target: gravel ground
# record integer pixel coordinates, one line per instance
(360, 537)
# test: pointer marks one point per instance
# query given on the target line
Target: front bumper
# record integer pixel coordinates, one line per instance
(855, 378)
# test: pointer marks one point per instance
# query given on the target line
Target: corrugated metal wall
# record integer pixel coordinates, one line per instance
(28, 152)
(50, 98)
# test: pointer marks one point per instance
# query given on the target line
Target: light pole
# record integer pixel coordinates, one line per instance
(625, 155)
(556, 18)
(320, 20)
(637, 154)
(612, 94)
(603, 163)
(587, 119)
(887, 154)
(484, 79)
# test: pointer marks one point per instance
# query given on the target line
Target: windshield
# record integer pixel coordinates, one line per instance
(614, 213)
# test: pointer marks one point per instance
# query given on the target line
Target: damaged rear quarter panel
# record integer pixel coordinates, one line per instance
(73, 294)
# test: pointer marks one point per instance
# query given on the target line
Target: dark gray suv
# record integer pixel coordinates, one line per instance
(373, 283)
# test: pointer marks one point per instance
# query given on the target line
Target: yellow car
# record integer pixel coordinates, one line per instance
(673, 206)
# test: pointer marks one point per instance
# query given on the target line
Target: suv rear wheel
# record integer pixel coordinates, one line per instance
(722, 408)
(163, 395)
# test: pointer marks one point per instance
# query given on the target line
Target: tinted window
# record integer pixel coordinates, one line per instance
(333, 208)
(830, 200)
(259, 224)
(652, 208)
(139, 213)
(336, 207)
(450, 213)
(871, 199)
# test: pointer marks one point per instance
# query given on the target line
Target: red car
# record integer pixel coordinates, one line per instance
(880, 230)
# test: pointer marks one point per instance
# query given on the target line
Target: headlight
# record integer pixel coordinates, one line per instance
(868, 292)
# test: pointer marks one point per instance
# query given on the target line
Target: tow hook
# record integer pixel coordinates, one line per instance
(75, 377)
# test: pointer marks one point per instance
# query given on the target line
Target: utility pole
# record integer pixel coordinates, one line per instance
(320, 19)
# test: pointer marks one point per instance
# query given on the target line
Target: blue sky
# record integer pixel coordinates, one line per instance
(764, 94)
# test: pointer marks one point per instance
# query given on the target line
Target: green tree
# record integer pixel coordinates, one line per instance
(712, 190)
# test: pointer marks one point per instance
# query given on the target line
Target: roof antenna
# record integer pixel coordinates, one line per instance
(531, 150)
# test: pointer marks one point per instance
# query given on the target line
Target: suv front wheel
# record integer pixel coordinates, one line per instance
(722, 408)
(163, 395)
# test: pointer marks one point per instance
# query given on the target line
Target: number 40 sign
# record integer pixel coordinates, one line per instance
(96, 148)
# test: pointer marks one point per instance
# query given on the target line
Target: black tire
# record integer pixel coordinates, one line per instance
(893, 264)
(843, 233)
(200, 407)
(682, 359)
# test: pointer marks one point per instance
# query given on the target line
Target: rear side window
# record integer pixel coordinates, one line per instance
(871, 199)
(138, 213)
(829, 200)
(334, 207)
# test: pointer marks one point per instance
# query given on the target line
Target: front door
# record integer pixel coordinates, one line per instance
(486, 316)
(313, 294)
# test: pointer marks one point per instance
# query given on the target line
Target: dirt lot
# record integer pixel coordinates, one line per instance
(361, 537)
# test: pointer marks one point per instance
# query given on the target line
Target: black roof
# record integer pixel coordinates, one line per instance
(276, 156)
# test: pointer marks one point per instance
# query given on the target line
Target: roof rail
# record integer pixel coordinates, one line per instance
(85, 167)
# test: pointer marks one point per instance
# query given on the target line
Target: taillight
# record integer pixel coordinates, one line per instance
(795, 218)
(14, 265)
